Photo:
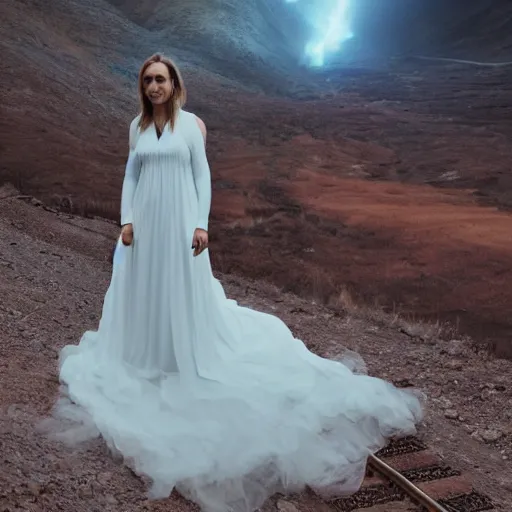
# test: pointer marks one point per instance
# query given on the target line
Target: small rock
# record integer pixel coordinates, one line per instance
(486, 394)
(85, 491)
(445, 403)
(403, 383)
(286, 506)
(50, 488)
(454, 365)
(455, 348)
(491, 435)
(36, 202)
(104, 478)
(111, 500)
(435, 393)
(451, 414)
(34, 488)
(477, 435)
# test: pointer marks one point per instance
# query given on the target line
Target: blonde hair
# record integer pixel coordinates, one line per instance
(178, 96)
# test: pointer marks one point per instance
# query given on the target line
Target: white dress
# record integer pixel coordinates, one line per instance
(196, 392)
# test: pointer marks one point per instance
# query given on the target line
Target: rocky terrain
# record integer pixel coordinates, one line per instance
(387, 180)
(367, 203)
(54, 271)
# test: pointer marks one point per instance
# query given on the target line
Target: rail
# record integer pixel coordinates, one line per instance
(413, 492)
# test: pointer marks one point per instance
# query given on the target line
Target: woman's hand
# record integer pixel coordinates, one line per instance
(127, 234)
(200, 241)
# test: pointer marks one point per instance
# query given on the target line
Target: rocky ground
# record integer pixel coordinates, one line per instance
(388, 181)
(386, 184)
(54, 270)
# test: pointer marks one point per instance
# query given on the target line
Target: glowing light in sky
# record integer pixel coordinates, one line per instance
(332, 27)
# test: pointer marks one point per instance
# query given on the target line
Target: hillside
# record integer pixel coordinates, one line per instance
(478, 30)
(389, 183)
(53, 276)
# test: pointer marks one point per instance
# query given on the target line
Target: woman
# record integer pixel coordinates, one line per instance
(196, 392)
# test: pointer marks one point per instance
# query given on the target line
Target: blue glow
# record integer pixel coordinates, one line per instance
(332, 22)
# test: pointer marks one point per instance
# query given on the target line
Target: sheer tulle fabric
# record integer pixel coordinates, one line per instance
(199, 393)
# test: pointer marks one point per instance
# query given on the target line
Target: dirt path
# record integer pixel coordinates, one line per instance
(54, 271)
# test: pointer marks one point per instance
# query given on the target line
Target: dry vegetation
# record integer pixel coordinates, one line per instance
(371, 182)
(49, 299)
(293, 265)
(315, 284)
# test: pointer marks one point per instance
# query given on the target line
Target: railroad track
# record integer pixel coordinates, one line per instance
(406, 476)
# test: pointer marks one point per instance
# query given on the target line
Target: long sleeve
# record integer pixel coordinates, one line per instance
(201, 172)
(131, 177)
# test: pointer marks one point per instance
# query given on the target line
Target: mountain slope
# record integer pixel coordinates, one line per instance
(61, 103)
(304, 162)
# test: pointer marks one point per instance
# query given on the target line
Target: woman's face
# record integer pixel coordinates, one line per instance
(158, 85)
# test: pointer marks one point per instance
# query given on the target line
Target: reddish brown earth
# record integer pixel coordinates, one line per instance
(54, 271)
(436, 245)
(391, 185)
(388, 185)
